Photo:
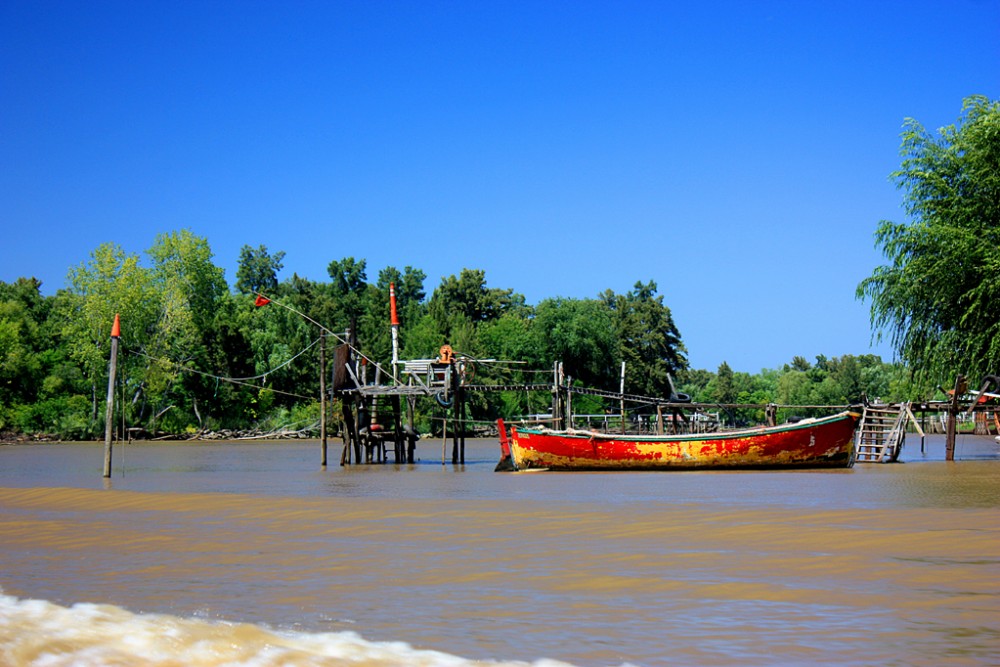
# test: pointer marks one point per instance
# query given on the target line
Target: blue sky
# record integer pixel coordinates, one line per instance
(736, 153)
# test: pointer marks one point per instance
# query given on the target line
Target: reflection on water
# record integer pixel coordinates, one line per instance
(881, 564)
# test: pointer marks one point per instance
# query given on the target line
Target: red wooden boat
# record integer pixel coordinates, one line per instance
(826, 442)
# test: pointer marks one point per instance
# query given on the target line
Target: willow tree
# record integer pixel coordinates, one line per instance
(938, 298)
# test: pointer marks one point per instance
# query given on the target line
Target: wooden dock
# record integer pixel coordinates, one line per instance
(367, 433)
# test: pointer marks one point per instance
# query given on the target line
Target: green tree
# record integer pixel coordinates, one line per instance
(800, 364)
(466, 299)
(113, 282)
(20, 363)
(349, 282)
(648, 339)
(724, 390)
(182, 265)
(696, 383)
(581, 334)
(939, 296)
(258, 270)
(191, 288)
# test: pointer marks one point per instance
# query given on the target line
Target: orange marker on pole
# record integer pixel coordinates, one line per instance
(394, 320)
(116, 328)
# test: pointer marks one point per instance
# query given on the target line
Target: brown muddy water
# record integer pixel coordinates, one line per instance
(251, 554)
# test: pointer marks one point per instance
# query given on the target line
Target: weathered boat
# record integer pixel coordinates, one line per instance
(825, 442)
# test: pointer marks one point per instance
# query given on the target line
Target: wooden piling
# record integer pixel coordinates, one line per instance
(458, 433)
(397, 429)
(556, 413)
(322, 397)
(351, 437)
(458, 438)
(567, 383)
(622, 403)
(951, 428)
(411, 436)
(109, 414)
(444, 437)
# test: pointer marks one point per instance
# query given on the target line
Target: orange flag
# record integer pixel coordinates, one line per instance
(261, 300)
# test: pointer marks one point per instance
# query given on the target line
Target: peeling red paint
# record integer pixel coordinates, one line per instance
(826, 442)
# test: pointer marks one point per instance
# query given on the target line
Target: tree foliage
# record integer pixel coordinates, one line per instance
(258, 270)
(938, 298)
(196, 355)
(647, 339)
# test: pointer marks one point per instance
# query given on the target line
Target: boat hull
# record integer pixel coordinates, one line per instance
(814, 443)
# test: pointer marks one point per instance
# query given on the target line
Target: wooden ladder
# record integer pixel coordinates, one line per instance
(879, 436)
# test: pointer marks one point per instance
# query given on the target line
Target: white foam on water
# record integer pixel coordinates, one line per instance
(38, 633)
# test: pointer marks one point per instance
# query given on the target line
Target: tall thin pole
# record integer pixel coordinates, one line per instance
(949, 438)
(622, 405)
(568, 382)
(394, 323)
(555, 394)
(396, 411)
(109, 414)
(322, 396)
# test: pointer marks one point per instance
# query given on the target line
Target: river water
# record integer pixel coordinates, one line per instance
(250, 553)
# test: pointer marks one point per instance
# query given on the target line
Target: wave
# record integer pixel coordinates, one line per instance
(38, 633)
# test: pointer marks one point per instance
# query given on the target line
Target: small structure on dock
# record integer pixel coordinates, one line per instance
(364, 403)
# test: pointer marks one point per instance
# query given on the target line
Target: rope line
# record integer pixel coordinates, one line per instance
(334, 334)
(239, 381)
(278, 368)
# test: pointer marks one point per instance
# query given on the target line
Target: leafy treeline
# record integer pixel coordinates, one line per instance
(197, 354)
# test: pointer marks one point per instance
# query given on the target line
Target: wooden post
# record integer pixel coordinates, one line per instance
(411, 438)
(444, 437)
(109, 413)
(461, 393)
(322, 397)
(923, 418)
(362, 418)
(397, 429)
(457, 435)
(567, 383)
(622, 406)
(951, 428)
(345, 456)
(555, 395)
(659, 419)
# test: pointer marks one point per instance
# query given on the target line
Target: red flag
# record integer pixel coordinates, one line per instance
(261, 300)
